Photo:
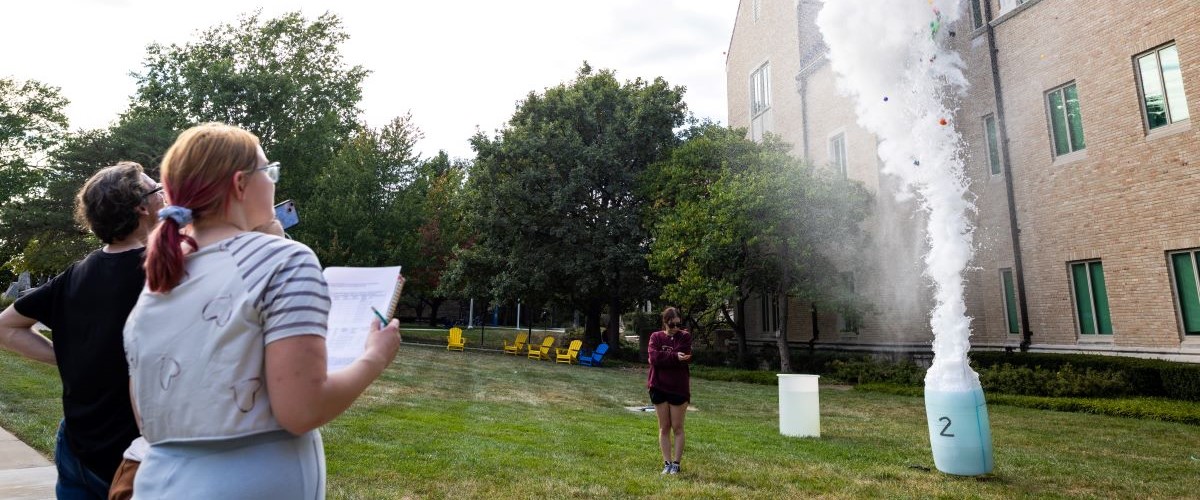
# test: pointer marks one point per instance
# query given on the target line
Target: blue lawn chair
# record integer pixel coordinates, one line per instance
(593, 358)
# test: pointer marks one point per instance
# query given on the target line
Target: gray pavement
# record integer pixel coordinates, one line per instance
(24, 473)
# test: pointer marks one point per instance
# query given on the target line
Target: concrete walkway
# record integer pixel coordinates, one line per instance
(24, 473)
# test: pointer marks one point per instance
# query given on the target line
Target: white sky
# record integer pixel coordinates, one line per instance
(457, 65)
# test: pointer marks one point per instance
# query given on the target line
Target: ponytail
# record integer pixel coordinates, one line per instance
(165, 256)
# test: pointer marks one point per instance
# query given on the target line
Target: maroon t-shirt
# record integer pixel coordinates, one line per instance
(667, 373)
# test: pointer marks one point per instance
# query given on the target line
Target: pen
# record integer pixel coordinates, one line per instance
(382, 322)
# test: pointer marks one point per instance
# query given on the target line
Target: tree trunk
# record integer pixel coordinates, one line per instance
(434, 304)
(739, 330)
(785, 353)
(420, 309)
(591, 329)
(614, 322)
(812, 344)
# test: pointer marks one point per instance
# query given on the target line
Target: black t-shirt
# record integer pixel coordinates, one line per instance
(86, 307)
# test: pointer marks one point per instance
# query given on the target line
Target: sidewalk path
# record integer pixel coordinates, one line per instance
(24, 473)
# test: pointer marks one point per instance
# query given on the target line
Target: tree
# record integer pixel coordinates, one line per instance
(553, 196)
(441, 181)
(283, 79)
(32, 123)
(361, 213)
(50, 239)
(732, 218)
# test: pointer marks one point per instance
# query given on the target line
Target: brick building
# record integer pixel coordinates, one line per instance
(1077, 132)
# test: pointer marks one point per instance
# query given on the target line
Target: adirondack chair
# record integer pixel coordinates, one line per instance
(456, 342)
(570, 354)
(593, 358)
(541, 352)
(516, 345)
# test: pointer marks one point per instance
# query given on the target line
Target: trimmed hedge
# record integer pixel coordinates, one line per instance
(1165, 410)
(1089, 375)
(734, 375)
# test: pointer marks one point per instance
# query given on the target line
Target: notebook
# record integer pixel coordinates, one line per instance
(354, 290)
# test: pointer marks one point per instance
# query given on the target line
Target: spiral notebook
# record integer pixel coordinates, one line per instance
(354, 291)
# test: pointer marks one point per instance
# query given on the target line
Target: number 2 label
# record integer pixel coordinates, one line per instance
(947, 427)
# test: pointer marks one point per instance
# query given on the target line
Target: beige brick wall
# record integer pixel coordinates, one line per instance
(772, 39)
(1127, 199)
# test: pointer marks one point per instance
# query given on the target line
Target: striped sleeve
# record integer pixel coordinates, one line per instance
(295, 299)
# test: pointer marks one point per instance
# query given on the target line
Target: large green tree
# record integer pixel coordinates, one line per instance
(32, 124)
(48, 235)
(732, 219)
(440, 183)
(554, 201)
(363, 211)
(283, 79)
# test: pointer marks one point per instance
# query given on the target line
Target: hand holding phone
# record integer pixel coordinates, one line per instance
(285, 211)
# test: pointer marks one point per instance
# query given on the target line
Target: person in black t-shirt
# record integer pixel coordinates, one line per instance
(85, 307)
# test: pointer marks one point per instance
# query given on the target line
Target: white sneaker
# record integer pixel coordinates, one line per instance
(674, 468)
(668, 468)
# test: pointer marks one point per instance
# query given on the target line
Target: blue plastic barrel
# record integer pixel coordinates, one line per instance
(959, 432)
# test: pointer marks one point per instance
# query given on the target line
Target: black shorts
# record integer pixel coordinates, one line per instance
(659, 397)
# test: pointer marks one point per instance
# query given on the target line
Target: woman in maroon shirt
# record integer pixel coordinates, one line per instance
(670, 352)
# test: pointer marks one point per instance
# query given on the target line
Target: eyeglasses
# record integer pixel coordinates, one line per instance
(157, 190)
(272, 170)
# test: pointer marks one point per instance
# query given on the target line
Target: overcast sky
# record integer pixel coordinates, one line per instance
(457, 65)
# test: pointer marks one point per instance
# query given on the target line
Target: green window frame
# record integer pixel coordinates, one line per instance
(848, 322)
(837, 153)
(1010, 301)
(976, 15)
(992, 143)
(1066, 121)
(1187, 289)
(1091, 298)
(1161, 86)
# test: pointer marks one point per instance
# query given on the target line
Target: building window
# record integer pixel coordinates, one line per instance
(1163, 100)
(1066, 124)
(770, 312)
(1010, 301)
(848, 322)
(1091, 298)
(976, 14)
(837, 154)
(1007, 5)
(992, 143)
(757, 8)
(1187, 289)
(760, 101)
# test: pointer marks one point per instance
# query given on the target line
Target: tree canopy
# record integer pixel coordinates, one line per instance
(732, 218)
(553, 195)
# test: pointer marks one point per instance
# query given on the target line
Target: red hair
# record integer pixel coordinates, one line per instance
(196, 174)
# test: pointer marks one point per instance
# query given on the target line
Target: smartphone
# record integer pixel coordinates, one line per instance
(286, 213)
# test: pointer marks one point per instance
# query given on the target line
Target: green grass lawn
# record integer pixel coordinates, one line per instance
(482, 425)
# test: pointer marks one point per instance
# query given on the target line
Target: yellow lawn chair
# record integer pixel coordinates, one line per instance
(570, 354)
(516, 345)
(543, 351)
(455, 342)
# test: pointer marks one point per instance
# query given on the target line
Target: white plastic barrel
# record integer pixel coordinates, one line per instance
(799, 405)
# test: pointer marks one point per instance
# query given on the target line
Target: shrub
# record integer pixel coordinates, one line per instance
(1066, 381)
(1145, 377)
(866, 370)
(1144, 408)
